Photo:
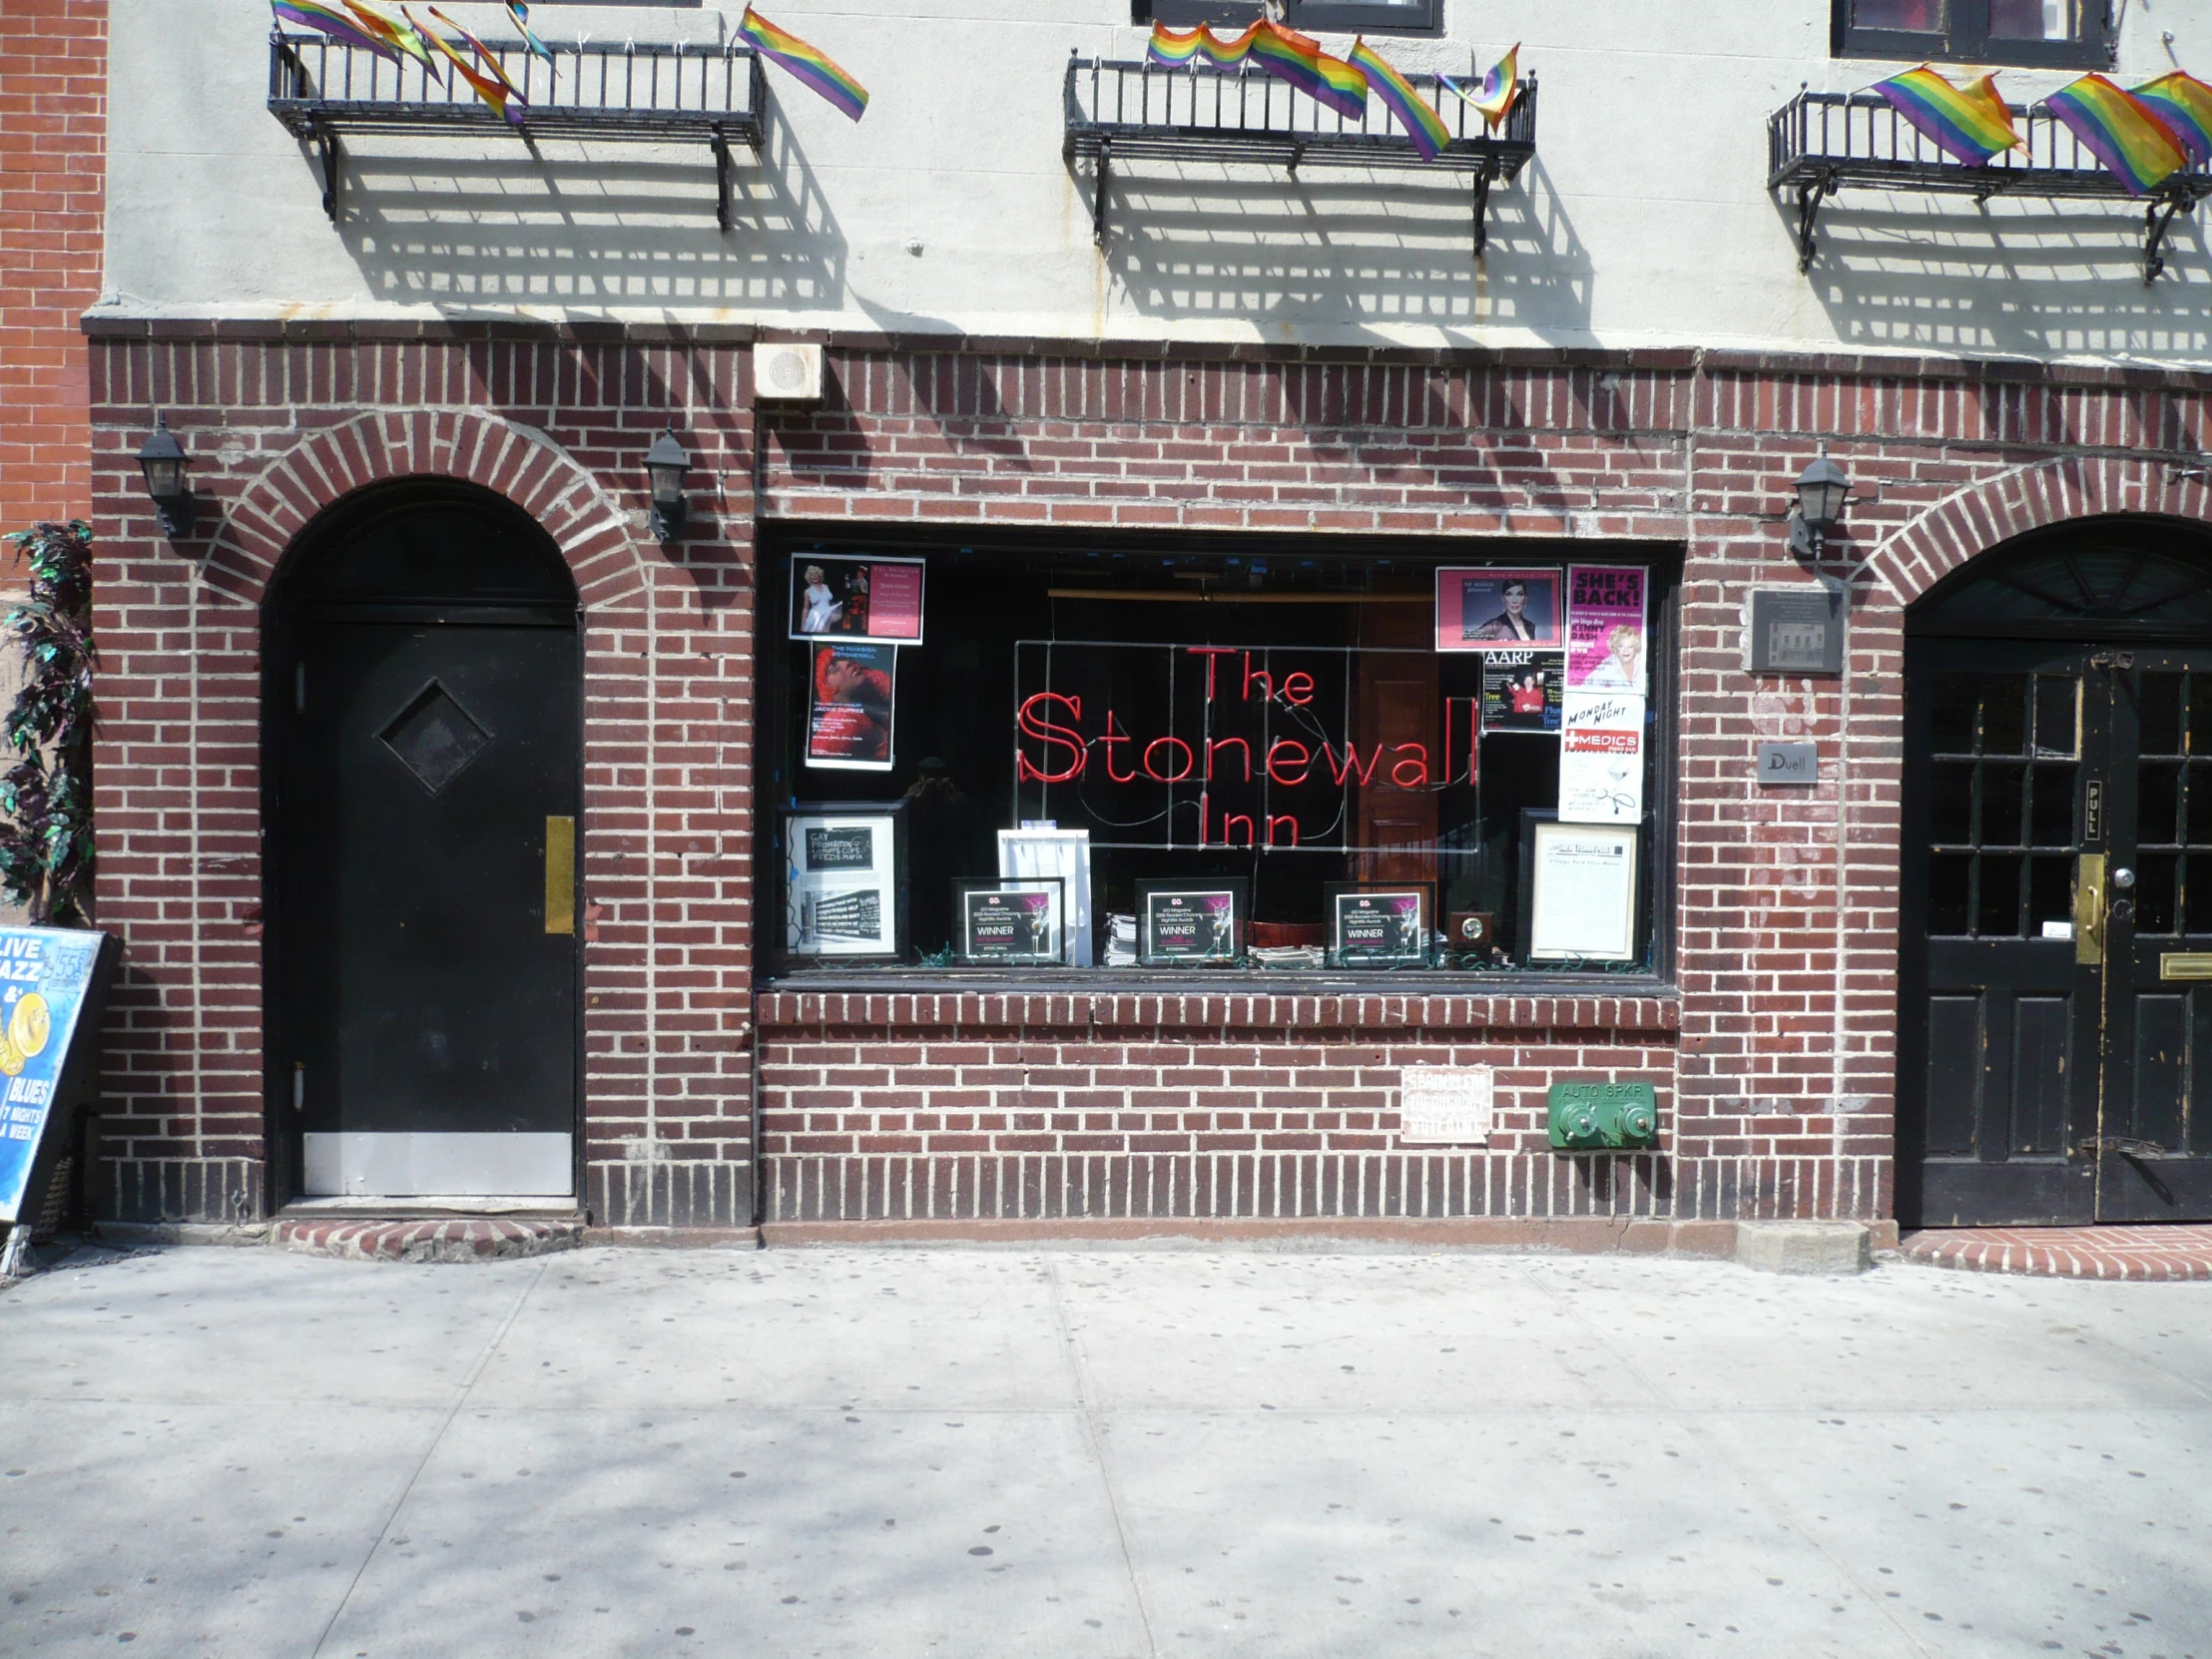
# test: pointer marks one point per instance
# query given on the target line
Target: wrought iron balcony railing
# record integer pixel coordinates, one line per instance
(1120, 111)
(1820, 142)
(321, 88)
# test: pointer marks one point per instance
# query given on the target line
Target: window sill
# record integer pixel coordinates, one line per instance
(1124, 999)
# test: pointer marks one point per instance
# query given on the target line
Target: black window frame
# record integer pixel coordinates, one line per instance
(1339, 16)
(779, 780)
(1965, 39)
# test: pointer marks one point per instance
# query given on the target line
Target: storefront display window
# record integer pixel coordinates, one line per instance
(1277, 759)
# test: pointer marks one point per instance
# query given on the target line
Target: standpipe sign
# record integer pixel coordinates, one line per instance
(45, 978)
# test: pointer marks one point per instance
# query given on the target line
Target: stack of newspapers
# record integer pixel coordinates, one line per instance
(1289, 956)
(1121, 941)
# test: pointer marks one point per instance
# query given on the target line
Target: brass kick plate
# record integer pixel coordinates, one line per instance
(2184, 964)
(560, 875)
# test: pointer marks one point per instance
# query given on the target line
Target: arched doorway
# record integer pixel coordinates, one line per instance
(2055, 976)
(421, 718)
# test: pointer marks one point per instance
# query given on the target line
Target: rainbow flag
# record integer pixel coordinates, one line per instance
(2122, 133)
(808, 63)
(519, 15)
(1422, 122)
(401, 37)
(1498, 92)
(1969, 124)
(2183, 105)
(494, 89)
(1293, 57)
(1187, 48)
(424, 38)
(328, 20)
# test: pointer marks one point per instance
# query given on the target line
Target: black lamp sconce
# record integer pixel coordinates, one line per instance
(164, 461)
(665, 465)
(1821, 489)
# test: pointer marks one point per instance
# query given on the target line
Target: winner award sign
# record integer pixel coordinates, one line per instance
(1190, 923)
(52, 982)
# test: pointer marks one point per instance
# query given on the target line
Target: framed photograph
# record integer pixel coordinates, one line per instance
(845, 881)
(1578, 890)
(1191, 923)
(1489, 609)
(856, 599)
(1011, 921)
(1521, 690)
(1379, 923)
(1605, 628)
(852, 695)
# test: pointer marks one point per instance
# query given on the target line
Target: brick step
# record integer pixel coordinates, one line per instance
(429, 1238)
(2156, 1254)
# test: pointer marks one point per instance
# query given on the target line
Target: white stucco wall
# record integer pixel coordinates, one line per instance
(1644, 219)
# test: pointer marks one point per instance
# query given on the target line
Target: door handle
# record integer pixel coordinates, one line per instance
(560, 875)
(2089, 910)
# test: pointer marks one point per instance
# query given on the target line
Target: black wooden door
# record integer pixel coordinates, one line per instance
(2006, 784)
(2056, 986)
(426, 795)
(2154, 1138)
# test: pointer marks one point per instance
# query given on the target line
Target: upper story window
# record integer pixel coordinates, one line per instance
(1375, 17)
(2056, 34)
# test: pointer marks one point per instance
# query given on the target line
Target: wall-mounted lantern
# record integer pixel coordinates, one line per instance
(1821, 489)
(665, 464)
(163, 460)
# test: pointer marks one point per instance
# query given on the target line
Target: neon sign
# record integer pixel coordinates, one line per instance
(1211, 746)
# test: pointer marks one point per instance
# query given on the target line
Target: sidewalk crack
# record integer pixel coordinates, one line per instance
(462, 1393)
(1094, 1436)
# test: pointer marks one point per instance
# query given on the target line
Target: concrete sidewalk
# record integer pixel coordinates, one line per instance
(248, 1453)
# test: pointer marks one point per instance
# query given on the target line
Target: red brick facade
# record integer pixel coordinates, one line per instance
(1771, 1043)
(53, 123)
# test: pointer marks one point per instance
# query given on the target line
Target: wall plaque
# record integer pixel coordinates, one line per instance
(1789, 762)
(1795, 630)
(1445, 1105)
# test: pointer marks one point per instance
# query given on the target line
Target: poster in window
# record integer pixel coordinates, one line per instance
(1521, 690)
(1582, 894)
(1601, 758)
(841, 875)
(1190, 923)
(1379, 925)
(1011, 923)
(856, 599)
(853, 686)
(1605, 628)
(1489, 609)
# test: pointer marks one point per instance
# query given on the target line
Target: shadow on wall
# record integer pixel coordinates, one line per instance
(2031, 278)
(593, 225)
(1343, 246)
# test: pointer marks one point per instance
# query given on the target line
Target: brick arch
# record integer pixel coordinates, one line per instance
(474, 445)
(2015, 500)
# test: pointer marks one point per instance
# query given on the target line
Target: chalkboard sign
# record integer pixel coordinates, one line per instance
(53, 982)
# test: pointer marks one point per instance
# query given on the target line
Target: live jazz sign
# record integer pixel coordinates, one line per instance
(1195, 745)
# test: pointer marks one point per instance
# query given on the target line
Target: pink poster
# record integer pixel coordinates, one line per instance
(868, 599)
(1605, 628)
(1483, 608)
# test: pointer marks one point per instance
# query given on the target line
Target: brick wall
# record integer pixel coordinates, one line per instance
(53, 123)
(1776, 1043)
(914, 1108)
(276, 431)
